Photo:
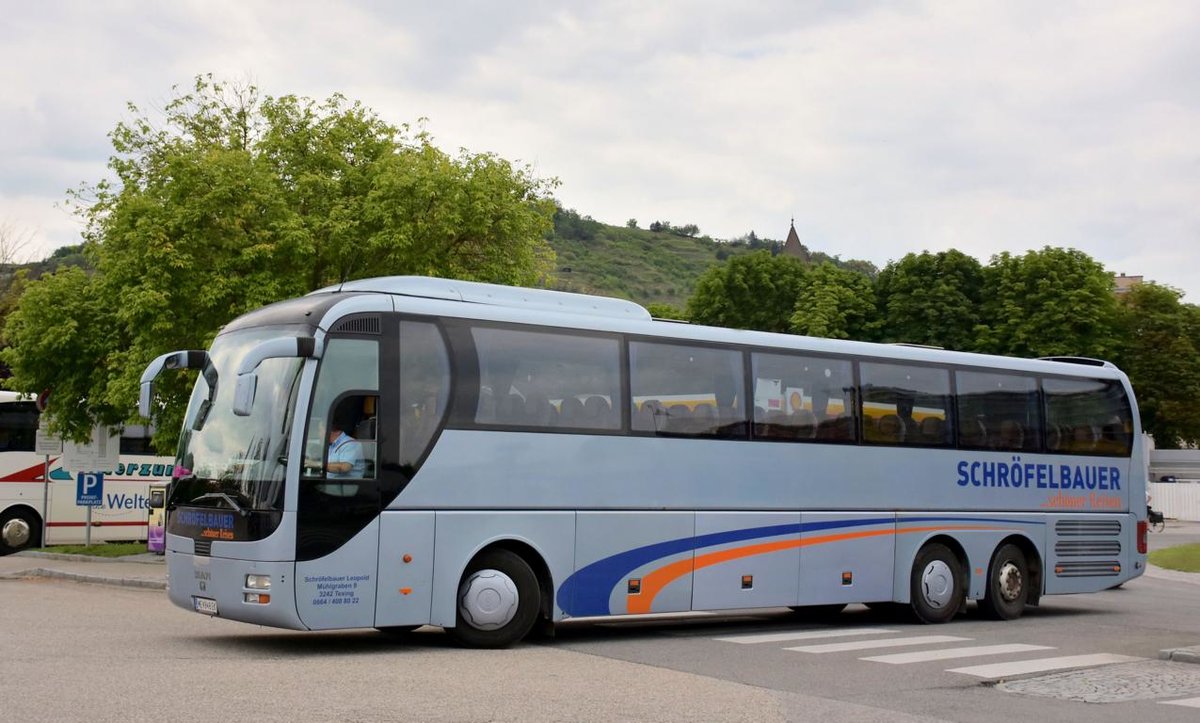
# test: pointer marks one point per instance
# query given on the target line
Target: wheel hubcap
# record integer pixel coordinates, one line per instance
(937, 584)
(15, 532)
(488, 600)
(1010, 582)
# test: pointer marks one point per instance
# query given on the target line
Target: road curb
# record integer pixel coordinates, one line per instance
(81, 577)
(88, 558)
(1181, 655)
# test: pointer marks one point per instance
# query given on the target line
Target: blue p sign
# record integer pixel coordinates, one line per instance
(89, 489)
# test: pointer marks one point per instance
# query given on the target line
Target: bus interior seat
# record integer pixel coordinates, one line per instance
(539, 412)
(704, 419)
(643, 418)
(972, 432)
(511, 409)
(774, 425)
(679, 419)
(598, 411)
(836, 429)
(933, 430)
(365, 430)
(1084, 438)
(571, 413)
(731, 422)
(805, 424)
(1113, 438)
(891, 429)
(368, 452)
(870, 427)
(1011, 436)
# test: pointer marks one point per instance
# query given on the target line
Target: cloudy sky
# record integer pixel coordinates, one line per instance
(882, 128)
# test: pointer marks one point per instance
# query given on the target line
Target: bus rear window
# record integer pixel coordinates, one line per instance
(1087, 416)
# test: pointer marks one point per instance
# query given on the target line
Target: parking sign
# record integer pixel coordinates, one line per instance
(89, 489)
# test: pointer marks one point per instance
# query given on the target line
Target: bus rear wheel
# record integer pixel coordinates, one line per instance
(19, 529)
(936, 584)
(498, 601)
(1008, 584)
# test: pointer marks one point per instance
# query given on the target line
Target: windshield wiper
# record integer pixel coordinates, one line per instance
(225, 498)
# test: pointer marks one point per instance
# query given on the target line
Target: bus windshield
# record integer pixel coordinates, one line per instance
(237, 462)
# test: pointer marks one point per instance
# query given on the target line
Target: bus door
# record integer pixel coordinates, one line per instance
(338, 501)
(406, 536)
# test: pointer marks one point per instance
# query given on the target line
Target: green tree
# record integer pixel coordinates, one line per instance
(231, 201)
(753, 291)
(666, 311)
(1160, 351)
(1047, 303)
(930, 299)
(835, 303)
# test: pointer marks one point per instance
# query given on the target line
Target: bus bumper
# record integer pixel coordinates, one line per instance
(249, 591)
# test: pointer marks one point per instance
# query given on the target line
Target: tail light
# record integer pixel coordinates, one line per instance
(1143, 535)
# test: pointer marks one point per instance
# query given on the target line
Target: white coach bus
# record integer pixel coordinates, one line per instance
(24, 494)
(533, 456)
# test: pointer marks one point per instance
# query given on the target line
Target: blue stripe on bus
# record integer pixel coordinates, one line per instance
(588, 590)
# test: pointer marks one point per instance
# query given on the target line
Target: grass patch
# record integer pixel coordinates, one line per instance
(100, 549)
(1185, 558)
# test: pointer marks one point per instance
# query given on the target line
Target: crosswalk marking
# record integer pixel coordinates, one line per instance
(877, 643)
(1189, 702)
(802, 635)
(923, 656)
(1004, 670)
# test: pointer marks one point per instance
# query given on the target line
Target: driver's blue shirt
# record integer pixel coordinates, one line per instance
(347, 449)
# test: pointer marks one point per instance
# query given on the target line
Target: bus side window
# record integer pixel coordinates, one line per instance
(424, 388)
(912, 404)
(18, 426)
(346, 396)
(687, 390)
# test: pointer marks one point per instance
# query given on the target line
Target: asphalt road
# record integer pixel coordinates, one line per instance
(77, 651)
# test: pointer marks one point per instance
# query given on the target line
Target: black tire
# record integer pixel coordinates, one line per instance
(1007, 584)
(936, 584)
(19, 530)
(818, 612)
(492, 571)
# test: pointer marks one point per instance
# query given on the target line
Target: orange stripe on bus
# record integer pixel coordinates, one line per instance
(654, 582)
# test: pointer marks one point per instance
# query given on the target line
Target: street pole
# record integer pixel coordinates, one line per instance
(46, 500)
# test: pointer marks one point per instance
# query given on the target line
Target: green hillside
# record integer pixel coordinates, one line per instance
(649, 267)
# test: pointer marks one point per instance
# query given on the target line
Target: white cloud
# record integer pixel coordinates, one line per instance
(883, 129)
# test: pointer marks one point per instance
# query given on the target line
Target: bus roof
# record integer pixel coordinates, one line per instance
(596, 313)
(496, 295)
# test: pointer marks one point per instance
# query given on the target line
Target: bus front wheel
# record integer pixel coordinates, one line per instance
(498, 601)
(1008, 584)
(19, 529)
(936, 584)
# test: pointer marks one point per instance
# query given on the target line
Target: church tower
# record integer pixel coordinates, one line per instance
(792, 246)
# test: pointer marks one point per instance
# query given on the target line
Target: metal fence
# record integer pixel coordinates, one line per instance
(1178, 501)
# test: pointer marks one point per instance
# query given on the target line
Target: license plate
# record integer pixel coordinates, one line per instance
(205, 605)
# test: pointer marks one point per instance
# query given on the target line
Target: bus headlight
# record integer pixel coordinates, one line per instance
(258, 582)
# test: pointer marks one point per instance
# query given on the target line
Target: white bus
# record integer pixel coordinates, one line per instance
(536, 456)
(124, 509)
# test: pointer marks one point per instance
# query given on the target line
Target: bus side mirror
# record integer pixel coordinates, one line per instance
(190, 359)
(304, 347)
